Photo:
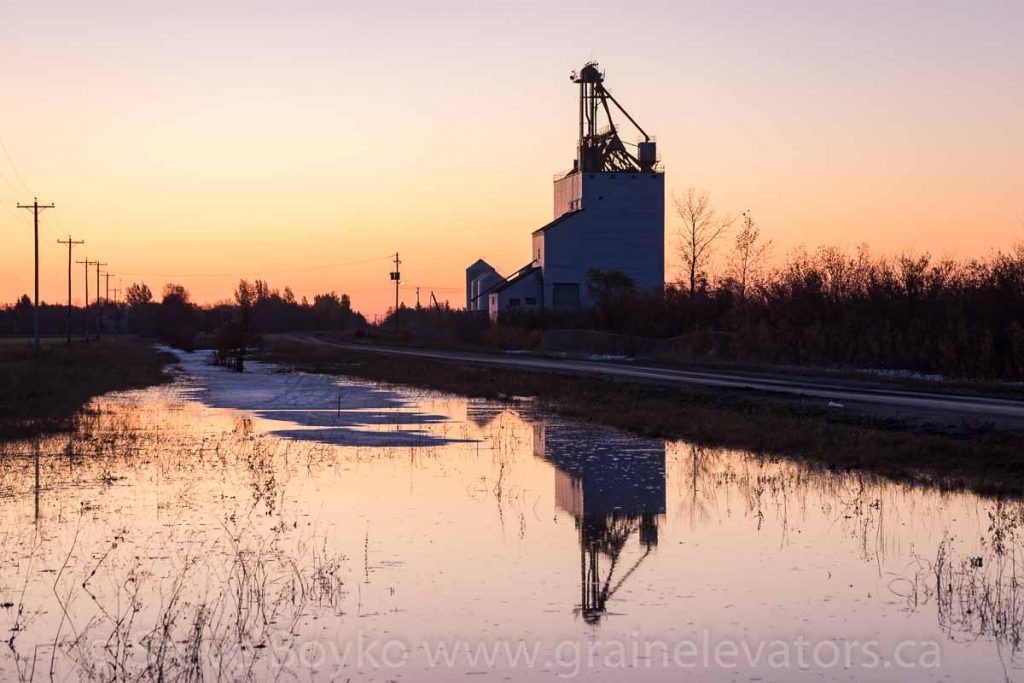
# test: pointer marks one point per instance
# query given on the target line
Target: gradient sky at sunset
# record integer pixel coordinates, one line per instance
(303, 141)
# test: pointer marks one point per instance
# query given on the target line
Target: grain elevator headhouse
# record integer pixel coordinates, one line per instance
(600, 147)
(609, 214)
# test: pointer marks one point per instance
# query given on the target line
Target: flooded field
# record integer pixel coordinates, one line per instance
(281, 526)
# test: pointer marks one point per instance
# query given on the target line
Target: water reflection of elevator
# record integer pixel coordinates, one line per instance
(614, 487)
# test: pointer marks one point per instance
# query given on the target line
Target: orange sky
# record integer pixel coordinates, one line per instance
(303, 142)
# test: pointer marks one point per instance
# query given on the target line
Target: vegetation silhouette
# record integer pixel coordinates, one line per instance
(826, 308)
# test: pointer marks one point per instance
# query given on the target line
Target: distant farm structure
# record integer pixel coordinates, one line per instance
(609, 214)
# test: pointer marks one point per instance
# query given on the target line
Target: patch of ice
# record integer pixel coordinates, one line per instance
(321, 408)
(903, 374)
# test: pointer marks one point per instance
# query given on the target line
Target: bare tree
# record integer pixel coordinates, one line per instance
(246, 295)
(749, 253)
(138, 294)
(700, 228)
(176, 292)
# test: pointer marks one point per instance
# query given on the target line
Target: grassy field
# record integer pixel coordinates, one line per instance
(982, 460)
(41, 392)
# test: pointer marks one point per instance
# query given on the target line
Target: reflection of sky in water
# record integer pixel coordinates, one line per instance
(328, 410)
(422, 517)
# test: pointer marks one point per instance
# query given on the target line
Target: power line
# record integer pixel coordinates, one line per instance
(60, 223)
(8, 209)
(36, 208)
(9, 184)
(15, 168)
(12, 202)
(48, 232)
(375, 259)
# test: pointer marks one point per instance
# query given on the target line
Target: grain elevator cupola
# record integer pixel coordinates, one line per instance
(600, 146)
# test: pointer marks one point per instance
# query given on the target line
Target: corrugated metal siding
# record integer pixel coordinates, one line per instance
(527, 288)
(568, 193)
(474, 271)
(480, 300)
(622, 226)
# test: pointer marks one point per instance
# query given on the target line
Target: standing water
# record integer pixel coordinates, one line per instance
(286, 526)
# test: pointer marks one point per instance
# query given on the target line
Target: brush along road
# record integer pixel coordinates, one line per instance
(839, 394)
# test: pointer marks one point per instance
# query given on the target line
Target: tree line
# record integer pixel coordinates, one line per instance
(178, 321)
(828, 307)
(958, 317)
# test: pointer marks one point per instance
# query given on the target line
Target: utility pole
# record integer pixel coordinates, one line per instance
(99, 311)
(86, 263)
(36, 208)
(396, 275)
(70, 242)
(107, 297)
(417, 298)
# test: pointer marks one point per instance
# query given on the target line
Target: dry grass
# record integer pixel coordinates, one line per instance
(40, 392)
(113, 602)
